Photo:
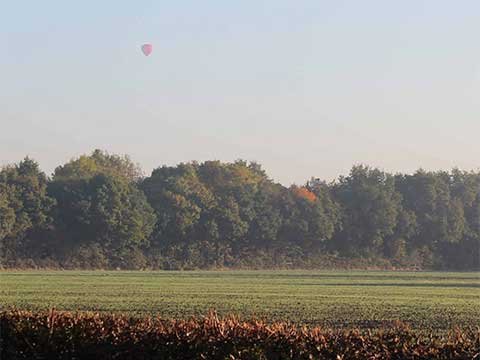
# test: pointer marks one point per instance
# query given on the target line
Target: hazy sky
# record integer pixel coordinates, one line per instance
(306, 88)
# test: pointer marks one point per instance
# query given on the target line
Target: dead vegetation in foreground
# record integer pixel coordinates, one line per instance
(66, 335)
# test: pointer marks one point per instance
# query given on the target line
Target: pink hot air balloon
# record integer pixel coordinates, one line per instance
(147, 49)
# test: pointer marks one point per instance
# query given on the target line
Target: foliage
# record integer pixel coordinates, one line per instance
(102, 211)
(99, 162)
(371, 209)
(57, 335)
(25, 210)
(98, 211)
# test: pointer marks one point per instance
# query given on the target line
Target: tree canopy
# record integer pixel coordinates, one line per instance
(99, 211)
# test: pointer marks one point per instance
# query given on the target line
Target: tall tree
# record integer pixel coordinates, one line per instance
(370, 206)
(103, 211)
(309, 215)
(99, 162)
(440, 215)
(25, 209)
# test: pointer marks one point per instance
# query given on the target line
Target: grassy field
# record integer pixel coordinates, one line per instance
(365, 299)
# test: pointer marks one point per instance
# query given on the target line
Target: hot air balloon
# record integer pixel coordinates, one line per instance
(147, 49)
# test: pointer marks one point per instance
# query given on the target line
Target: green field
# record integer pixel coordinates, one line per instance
(367, 299)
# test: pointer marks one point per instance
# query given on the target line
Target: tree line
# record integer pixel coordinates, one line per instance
(99, 211)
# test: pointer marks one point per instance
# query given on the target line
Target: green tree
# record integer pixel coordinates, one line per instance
(440, 215)
(211, 205)
(309, 216)
(103, 211)
(7, 213)
(99, 162)
(25, 209)
(370, 208)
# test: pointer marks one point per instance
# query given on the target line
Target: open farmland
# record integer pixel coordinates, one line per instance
(340, 299)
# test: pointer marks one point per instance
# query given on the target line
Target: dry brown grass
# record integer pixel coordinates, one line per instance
(64, 335)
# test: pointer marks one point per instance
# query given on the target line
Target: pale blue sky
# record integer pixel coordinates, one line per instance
(306, 88)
